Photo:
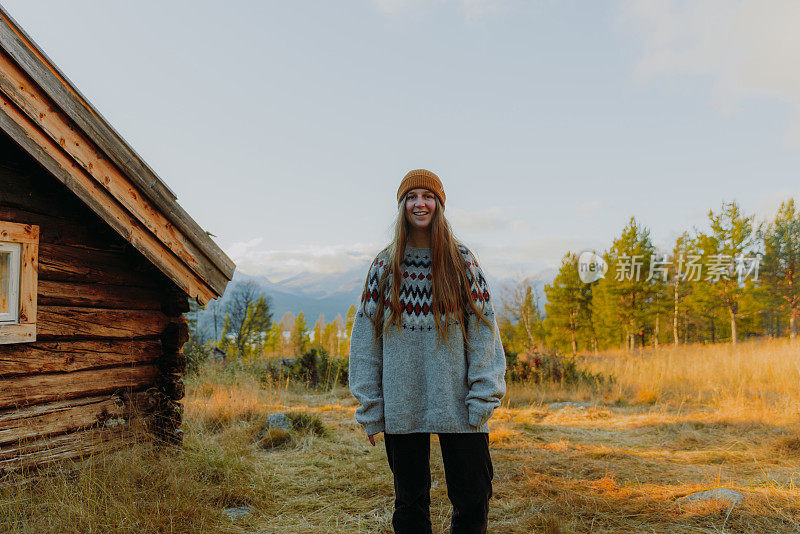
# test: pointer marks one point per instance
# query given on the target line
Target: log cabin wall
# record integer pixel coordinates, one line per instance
(110, 328)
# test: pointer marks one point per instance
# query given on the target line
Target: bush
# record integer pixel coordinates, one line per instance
(196, 355)
(307, 423)
(305, 369)
(316, 369)
(539, 366)
(332, 371)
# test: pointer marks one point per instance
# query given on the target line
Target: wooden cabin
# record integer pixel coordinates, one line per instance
(97, 266)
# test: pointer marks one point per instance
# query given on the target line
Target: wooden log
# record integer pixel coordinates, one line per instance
(175, 334)
(69, 356)
(172, 386)
(59, 230)
(57, 293)
(30, 188)
(58, 417)
(176, 302)
(165, 423)
(71, 322)
(174, 363)
(64, 447)
(161, 415)
(142, 402)
(36, 389)
(67, 263)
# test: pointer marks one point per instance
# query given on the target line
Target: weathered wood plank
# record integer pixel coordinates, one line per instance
(60, 230)
(70, 322)
(29, 274)
(57, 293)
(64, 447)
(70, 356)
(37, 389)
(75, 264)
(17, 333)
(58, 417)
(19, 233)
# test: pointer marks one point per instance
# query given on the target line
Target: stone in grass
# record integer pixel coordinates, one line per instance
(721, 494)
(555, 406)
(278, 420)
(280, 428)
(237, 513)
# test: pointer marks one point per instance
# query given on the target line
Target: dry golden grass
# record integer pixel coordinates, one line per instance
(662, 430)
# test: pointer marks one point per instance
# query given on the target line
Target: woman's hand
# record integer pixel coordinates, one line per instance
(371, 439)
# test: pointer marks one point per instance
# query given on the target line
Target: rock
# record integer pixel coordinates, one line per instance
(237, 513)
(721, 494)
(278, 420)
(555, 406)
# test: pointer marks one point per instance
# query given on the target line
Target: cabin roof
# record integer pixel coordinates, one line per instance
(53, 122)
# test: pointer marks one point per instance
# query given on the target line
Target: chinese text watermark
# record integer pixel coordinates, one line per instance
(592, 267)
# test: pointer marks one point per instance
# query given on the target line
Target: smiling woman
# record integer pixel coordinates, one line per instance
(426, 357)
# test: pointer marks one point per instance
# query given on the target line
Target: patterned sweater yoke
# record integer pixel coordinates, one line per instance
(407, 381)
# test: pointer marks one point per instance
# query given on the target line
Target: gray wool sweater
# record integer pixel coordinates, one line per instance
(403, 382)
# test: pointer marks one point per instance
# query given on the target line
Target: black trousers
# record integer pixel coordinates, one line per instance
(468, 473)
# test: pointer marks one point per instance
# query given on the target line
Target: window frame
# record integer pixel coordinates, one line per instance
(25, 284)
(15, 251)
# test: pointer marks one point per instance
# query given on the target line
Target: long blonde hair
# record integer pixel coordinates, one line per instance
(450, 283)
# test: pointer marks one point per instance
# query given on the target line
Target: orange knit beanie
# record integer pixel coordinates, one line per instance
(424, 179)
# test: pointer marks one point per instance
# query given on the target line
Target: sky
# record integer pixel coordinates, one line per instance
(285, 128)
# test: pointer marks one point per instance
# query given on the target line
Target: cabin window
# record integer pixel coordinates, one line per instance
(9, 282)
(19, 250)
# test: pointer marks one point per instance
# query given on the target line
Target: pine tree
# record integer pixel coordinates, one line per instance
(348, 329)
(781, 265)
(318, 326)
(731, 236)
(522, 306)
(330, 339)
(300, 336)
(568, 305)
(625, 296)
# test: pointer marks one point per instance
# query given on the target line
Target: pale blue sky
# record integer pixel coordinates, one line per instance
(285, 127)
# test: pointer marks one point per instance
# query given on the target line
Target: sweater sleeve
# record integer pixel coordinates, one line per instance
(486, 359)
(366, 358)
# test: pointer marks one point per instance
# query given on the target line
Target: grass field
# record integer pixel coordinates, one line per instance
(672, 422)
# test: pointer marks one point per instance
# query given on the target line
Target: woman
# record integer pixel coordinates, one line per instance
(429, 360)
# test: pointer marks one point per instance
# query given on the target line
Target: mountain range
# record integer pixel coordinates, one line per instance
(330, 294)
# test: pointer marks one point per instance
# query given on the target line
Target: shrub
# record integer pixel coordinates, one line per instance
(196, 355)
(308, 423)
(305, 368)
(539, 366)
(332, 371)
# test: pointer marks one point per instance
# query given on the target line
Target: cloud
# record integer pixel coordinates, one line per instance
(277, 264)
(749, 48)
(242, 249)
(527, 255)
